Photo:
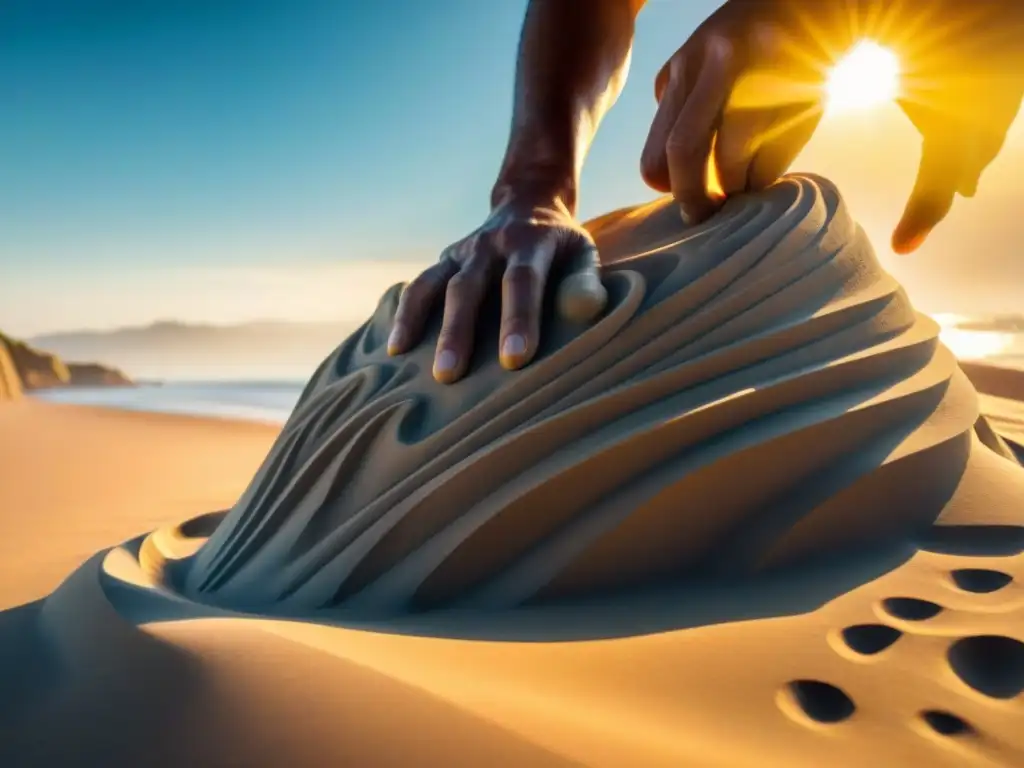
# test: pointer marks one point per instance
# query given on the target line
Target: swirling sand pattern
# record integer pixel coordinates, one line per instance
(759, 393)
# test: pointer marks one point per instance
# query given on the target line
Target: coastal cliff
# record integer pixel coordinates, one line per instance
(26, 368)
(96, 375)
(10, 382)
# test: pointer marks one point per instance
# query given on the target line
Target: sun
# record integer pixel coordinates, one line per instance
(868, 76)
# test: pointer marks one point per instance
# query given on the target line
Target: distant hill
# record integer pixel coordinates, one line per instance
(274, 349)
(175, 350)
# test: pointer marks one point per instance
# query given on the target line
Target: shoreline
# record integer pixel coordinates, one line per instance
(991, 377)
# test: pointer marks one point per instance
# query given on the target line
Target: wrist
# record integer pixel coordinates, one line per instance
(540, 164)
(536, 187)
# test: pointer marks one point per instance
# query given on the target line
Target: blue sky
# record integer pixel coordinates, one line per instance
(159, 159)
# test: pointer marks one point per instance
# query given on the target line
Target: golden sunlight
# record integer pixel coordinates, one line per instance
(868, 76)
(970, 345)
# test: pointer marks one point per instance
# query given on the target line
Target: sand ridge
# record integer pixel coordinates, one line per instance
(752, 517)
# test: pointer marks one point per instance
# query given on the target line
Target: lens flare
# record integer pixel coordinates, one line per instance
(867, 77)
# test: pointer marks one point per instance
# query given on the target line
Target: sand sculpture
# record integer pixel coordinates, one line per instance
(759, 393)
(757, 494)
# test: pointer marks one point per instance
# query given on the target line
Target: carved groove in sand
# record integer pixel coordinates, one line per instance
(758, 392)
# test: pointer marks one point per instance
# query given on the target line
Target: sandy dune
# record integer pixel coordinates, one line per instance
(753, 517)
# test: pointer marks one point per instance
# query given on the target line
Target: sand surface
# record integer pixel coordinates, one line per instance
(201, 643)
(73, 480)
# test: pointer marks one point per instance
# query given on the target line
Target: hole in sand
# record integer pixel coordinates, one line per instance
(911, 608)
(975, 540)
(980, 580)
(822, 702)
(869, 639)
(990, 664)
(946, 723)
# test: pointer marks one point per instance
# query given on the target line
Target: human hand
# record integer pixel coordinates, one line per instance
(700, 122)
(962, 91)
(524, 238)
(963, 83)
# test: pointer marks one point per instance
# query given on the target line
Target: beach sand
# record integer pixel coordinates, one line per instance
(73, 480)
(909, 654)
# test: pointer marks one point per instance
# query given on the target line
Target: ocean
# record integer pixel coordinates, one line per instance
(265, 401)
(272, 401)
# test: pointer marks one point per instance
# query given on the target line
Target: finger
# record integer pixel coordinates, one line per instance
(522, 296)
(415, 303)
(779, 147)
(932, 197)
(771, 113)
(690, 142)
(739, 138)
(461, 308)
(672, 90)
(581, 294)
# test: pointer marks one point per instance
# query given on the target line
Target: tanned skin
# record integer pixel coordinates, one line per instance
(573, 60)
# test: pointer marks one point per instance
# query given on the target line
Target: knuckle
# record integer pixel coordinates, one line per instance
(462, 250)
(424, 281)
(449, 253)
(652, 159)
(457, 284)
(413, 293)
(524, 270)
(517, 235)
(464, 284)
(720, 48)
(654, 170)
(422, 286)
(483, 241)
(520, 274)
(765, 39)
(459, 251)
(684, 145)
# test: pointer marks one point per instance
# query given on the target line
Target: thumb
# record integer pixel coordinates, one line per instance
(581, 295)
(938, 179)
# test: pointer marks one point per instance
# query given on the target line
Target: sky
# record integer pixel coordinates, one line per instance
(229, 160)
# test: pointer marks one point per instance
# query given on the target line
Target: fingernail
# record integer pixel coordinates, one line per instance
(514, 346)
(395, 341)
(445, 362)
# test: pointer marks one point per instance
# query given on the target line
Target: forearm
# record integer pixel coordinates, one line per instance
(573, 58)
